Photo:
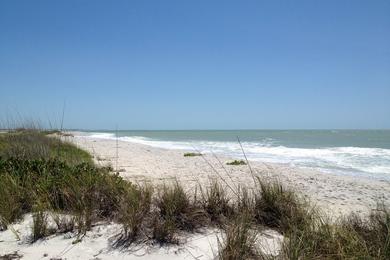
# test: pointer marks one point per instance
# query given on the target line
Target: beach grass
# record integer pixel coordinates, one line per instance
(46, 176)
(31, 144)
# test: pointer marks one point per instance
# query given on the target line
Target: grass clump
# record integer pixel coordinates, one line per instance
(279, 208)
(216, 202)
(239, 240)
(236, 162)
(176, 211)
(134, 210)
(352, 238)
(192, 154)
(83, 190)
(39, 227)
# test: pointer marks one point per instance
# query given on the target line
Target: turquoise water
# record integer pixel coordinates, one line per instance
(362, 153)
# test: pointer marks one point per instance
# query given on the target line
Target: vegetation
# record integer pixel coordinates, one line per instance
(236, 162)
(216, 203)
(192, 154)
(239, 240)
(279, 208)
(48, 177)
(34, 144)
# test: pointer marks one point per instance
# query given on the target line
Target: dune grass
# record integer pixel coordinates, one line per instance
(45, 176)
(238, 241)
(34, 144)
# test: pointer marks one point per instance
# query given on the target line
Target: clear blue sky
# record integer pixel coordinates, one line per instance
(197, 64)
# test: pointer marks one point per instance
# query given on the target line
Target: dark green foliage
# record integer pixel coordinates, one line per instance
(83, 189)
(192, 154)
(237, 162)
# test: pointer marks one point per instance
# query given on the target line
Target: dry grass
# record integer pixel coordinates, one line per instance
(279, 208)
(134, 210)
(174, 204)
(216, 202)
(239, 240)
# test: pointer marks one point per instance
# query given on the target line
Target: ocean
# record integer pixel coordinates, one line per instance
(360, 153)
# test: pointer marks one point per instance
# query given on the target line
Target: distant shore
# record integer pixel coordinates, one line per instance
(334, 194)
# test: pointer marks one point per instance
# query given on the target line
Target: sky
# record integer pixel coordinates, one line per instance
(196, 64)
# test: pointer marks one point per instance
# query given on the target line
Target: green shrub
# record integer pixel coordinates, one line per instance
(82, 189)
(192, 154)
(237, 162)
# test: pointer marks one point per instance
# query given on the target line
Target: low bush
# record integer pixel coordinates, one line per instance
(236, 162)
(192, 154)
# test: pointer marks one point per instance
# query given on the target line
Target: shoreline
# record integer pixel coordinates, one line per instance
(334, 194)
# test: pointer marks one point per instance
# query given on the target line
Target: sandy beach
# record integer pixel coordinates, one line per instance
(335, 195)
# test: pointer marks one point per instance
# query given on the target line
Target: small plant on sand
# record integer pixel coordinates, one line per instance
(236, 162)
(192, 154)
